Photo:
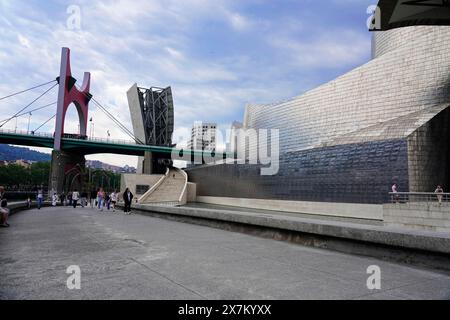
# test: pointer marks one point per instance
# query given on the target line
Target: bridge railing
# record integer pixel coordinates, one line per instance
(423, 197)
(73, 137)
(24, 132)
(113, 141)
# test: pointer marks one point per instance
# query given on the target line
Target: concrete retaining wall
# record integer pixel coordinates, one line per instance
(348, 210)
(421, 216)
(131, 180)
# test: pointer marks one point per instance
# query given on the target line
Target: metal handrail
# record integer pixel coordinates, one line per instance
(50, 135)
(184, 191)
(154, 187)
(427, 197)
(23, 132)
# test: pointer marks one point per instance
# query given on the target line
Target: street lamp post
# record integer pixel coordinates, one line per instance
(29, 119)
(91, 134)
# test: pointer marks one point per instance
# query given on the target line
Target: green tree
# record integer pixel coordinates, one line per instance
(39, 173)
(13, 175)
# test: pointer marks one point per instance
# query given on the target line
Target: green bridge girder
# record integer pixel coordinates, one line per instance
(86, 147)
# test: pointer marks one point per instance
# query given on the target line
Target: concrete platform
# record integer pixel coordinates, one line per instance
(349, 235)
(142, 257)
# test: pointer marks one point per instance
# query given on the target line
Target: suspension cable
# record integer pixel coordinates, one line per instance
(121, 126)
(114, 119)
(35, 87)
(21, 110)
(33, 110)
(44, 123)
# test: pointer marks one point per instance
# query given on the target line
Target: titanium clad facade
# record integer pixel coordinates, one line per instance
(356, 173)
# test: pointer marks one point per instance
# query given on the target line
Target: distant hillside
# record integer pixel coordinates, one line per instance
(11, 153)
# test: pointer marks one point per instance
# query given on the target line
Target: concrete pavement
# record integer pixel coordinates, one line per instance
(140, 257)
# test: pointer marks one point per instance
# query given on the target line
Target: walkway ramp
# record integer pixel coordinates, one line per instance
(170, 190)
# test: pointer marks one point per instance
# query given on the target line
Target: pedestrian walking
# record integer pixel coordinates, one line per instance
(93, 198)
(69, 198)
(54, 199)
(395, 193)
(439, 192)
(113, 200)
(28, 201)
(62, 198)
(127, 199)
(75, 198)
(100, 199)
(107, 201)
(84, 199)
(40, 198)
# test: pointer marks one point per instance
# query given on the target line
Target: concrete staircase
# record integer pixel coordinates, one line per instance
(170, 190)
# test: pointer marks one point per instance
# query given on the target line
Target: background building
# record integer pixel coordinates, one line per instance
(350, 139)
(203, 136)
(232, 145)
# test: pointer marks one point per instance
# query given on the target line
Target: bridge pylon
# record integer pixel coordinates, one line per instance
(63, 161)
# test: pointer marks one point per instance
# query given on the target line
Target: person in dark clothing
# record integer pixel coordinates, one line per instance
(62, 198)
(107, 201)
(127, 199)
(69, 198)
(93, 198)
(84, 196)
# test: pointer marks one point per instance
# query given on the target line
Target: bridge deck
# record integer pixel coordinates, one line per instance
(88, 146)
(139, 257)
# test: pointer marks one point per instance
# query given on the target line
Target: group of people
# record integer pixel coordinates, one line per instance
(438, 191)
(71, 199)
(101, 199)
(96, 199)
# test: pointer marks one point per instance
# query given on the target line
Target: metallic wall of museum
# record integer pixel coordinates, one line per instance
(387, 41)
(354, 173)
(407, 78)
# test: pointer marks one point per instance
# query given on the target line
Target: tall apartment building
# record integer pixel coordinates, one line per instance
(203, 136)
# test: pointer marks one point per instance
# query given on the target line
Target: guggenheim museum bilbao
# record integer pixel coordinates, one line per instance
(350, 139)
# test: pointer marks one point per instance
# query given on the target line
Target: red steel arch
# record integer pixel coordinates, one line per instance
(68, 93)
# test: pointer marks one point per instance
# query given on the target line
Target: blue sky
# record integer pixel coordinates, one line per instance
(217, 55)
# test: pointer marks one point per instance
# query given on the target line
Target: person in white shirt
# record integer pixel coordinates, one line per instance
(54, 199)
(439, 191)
(75, 197)
(395, 192)
(113, 200)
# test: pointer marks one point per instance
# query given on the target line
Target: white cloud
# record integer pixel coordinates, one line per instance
(238, 21)
(327, 50)
(24, 41)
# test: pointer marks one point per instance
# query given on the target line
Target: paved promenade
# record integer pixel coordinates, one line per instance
(139, 257)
